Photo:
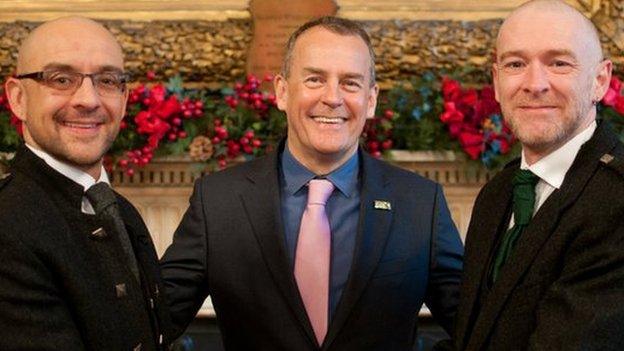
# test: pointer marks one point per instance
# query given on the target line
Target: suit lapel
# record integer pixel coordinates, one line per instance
(261, 200)
(541, 228)
(373, 230)
(485, 227)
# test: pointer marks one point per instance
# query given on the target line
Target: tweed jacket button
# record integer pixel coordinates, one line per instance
(138, 347)
(606, 158)
(120, 289)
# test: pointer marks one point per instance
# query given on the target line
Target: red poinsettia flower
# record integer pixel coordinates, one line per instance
(619, 104)
(615, 84)
(469, 97)
(472, 143)
(610, 97)
(168, 108)
(451, 89)
(451, 114)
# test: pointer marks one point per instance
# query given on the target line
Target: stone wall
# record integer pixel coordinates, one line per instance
(211, 53)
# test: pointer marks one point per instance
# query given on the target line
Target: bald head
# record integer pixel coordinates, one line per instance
(549, 74)
(61, 95)
(63, 35)
(558, 16)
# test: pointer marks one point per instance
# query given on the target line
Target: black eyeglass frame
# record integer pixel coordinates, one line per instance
(38, 77)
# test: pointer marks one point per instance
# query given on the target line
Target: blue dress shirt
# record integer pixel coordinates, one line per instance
(343, 211)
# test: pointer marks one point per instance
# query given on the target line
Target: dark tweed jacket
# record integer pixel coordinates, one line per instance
(566, 276)
(63, 288)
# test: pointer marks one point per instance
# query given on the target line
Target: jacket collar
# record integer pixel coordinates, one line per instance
(261, 201)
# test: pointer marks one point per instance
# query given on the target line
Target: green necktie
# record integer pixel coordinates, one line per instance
(524, 182)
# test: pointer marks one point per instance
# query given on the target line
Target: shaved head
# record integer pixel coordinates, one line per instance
(71, 30)
(549, 74)
(74, 126)
(536, 10)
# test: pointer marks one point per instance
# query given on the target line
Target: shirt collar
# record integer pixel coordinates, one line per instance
(553, 168)
(296, 175)
(71, 172)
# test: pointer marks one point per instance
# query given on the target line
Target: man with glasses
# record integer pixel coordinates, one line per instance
(78, 267)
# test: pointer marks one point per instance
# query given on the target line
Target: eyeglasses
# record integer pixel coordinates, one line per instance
(109, 84)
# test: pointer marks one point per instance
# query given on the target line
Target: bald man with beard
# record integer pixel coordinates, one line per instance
(544, 264)
(73, 276)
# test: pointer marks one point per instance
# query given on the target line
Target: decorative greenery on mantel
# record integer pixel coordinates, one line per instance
(430, 112)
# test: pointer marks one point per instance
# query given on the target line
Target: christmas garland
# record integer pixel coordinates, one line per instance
(429, 112)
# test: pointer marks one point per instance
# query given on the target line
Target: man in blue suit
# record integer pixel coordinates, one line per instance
(390, 244)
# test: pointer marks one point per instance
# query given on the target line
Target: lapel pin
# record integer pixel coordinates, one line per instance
(382, 205)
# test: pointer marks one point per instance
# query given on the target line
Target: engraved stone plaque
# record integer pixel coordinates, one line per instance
(273, 22)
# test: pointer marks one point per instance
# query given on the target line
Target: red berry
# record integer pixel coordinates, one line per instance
(172, 137)
(256, 143)
(248, 149)
(387, 144)
(217, 122)
(151, 75)
(182, 134)
(376, 154)
(388, 114)
(249, 134)
(373, 146)
(176, 121)
(222, 163)
(123, 163)
(199, 104)
(244, 141)
(268, 77)
(123, 125)
(130, 172)
(215, 140)
(188, 114)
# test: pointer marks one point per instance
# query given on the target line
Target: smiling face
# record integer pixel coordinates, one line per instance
(76, 128)
(327, 97)
(548, 72)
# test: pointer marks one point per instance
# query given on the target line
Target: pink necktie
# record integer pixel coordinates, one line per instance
(312, 256)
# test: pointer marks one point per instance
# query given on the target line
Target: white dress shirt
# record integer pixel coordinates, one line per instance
(552, 169)
(73, 173)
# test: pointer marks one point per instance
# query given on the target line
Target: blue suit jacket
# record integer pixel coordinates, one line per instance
(230, 245)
